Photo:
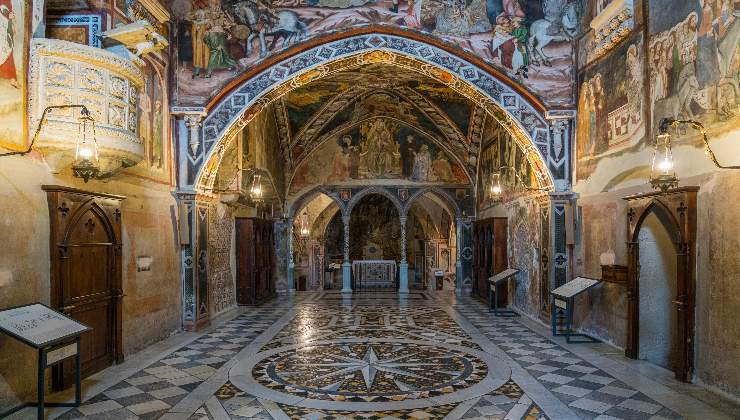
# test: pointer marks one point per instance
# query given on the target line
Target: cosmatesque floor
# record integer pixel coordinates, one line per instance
(320, 355)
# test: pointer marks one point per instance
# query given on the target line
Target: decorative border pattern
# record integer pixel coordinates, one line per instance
(513, 111)
(92, 22)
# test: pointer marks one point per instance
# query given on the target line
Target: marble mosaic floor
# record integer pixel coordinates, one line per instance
(375, 356)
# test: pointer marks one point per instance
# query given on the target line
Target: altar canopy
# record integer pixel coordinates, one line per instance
(374, 274)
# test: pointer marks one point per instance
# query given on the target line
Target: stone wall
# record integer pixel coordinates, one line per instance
(678, 62)
(221, 251)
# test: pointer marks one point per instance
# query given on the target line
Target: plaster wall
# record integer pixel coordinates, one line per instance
(151, 306)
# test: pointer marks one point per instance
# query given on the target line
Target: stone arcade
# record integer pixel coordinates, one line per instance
(387, 209)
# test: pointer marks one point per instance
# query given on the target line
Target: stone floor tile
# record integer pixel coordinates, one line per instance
(99, 407)
(590, 405)
(148, 407)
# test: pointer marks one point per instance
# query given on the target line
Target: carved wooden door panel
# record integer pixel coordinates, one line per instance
(86, 274)
(245, 263)
(254, 260)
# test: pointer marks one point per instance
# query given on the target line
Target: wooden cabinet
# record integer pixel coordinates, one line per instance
(490, 256)
(255, 260)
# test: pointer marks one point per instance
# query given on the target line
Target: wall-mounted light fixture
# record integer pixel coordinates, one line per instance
(256, 193)
(497, 190)
(305, 232)
(663, 175)
(86, 164)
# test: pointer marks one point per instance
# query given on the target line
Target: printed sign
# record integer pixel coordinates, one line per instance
(574, 287)
(503, 275)
(38, 325)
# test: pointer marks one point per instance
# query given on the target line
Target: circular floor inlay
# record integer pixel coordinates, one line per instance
(365, 374)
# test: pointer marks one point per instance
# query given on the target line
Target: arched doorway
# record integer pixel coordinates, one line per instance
(452, 147)
(510, 104)
(375, 242)
(315, 252)
(433, 241)
(654, 221)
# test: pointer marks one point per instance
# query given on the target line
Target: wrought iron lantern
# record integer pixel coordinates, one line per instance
(662, 174)
(256, 193)
(86, 164)
(305, 232)
(496, 189)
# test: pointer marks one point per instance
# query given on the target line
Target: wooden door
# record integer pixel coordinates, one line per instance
(254, 260)
(677, 209)
(500, 256)
(245, 261)
(86, 274)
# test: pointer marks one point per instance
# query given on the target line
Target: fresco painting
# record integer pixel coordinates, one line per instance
(499, 149)
(13, 56)
(695, 65)
(379, 148)
(152, 103)
(531, 40)
(610, 107)
(693, 73)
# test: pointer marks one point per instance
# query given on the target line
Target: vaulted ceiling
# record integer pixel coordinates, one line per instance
(307, 124)
(312, 113)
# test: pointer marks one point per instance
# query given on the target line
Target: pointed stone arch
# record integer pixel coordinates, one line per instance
(510, 104)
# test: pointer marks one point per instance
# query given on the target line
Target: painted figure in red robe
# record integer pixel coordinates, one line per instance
(7, 35)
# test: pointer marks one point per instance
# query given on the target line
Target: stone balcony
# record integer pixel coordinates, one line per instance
(62, 73)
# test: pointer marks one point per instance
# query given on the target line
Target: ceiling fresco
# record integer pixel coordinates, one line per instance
(383, 124)
(304, 102)
(529, 40)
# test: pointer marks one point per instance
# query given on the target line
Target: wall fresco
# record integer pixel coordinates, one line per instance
(695, 65)
(13, 62)
(500, 150)
(610, 106)
(528, 39)
(378, 148)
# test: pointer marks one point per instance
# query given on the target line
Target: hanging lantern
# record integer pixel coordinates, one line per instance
(496, 189)
(304, 225)
(255, 192)
(663, 175)
(86, 164)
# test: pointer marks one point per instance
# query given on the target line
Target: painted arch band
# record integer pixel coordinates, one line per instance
(547, 152)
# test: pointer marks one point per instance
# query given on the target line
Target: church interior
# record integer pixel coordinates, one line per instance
(369, 209)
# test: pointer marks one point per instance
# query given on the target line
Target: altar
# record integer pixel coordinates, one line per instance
(374, 274)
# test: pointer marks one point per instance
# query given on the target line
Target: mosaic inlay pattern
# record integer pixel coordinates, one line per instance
(370, 372)
(371, 358)
(370, 355)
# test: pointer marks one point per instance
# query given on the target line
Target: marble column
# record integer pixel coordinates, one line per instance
(193, 232)
(458, 256)
(403, 267)
(291, 262)
(346, 265)
(560, 272)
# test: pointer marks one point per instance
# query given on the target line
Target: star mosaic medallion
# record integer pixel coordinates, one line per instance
(379, 371)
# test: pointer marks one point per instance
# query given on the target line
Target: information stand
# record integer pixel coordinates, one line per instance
(55, 336)
(562, 307)
(493, 284)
